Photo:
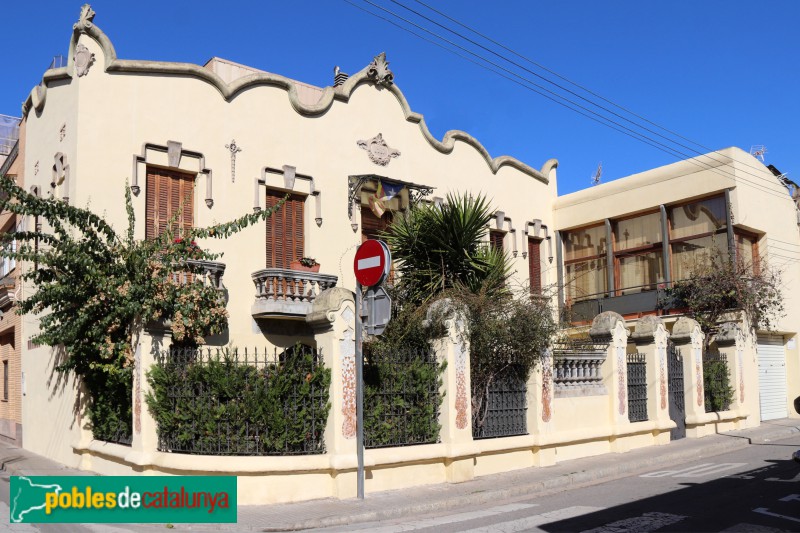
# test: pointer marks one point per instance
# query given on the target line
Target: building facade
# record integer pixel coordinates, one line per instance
(213, 142)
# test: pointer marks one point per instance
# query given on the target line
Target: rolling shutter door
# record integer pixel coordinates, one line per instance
(771, 377)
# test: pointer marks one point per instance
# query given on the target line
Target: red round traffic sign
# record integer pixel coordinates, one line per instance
(372, 263)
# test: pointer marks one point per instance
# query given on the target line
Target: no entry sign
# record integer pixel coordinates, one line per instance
(372, 263)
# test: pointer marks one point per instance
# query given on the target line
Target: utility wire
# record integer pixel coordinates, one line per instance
(556, 74)
(500, 56)
(631, 133)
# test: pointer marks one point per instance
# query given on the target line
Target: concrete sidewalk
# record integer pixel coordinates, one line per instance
(442, 497)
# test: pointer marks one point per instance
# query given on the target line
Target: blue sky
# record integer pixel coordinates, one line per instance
(721, 73)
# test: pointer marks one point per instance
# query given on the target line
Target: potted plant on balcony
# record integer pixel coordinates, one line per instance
(308, 264)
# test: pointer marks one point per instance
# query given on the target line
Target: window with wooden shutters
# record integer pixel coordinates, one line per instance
(371, 225)
(168, 192)
(535, 265)
(496, 239)
(285, 229)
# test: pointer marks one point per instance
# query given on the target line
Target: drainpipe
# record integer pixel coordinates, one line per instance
(559, 273)
(729, 223)
(609, 259)
(665, 245)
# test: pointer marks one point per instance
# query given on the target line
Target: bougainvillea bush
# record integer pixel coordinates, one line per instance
(94, 289)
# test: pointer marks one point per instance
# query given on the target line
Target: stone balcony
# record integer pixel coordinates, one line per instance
(288, 294)
(208, 272)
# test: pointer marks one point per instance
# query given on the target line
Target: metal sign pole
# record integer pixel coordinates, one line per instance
(359, 392)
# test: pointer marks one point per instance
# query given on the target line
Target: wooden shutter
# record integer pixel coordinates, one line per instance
(285, 230)
(167, 193)
(496, 239)
(371, 225)
(535, 265)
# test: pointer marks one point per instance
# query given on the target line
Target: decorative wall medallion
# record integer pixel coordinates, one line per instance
(60, 169)
(234, 149)
(379, 72)
(621, 379)
(379, 152)
(347, 349)
(547, 386)
(461, 386)
(62, 132)
(83, 60)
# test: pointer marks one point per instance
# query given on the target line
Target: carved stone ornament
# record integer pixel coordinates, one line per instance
(83, 60)
(85, 20)
(379, 152)
(379, 72)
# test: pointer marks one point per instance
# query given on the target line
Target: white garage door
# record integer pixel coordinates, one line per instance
(772, 377)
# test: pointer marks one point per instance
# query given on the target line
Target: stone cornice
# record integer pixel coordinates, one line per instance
(36, 99)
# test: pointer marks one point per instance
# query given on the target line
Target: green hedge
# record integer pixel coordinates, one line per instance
(224, 406)
(716, 385)
(401, 398)
(110, 403)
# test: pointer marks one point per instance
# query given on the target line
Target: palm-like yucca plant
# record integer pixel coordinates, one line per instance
(443, 247)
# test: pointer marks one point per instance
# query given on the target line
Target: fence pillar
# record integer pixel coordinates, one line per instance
(540, 415)
(687, 335)
(651, 338)
(609, 327)
(153, 339)
(333, 319)
(730, 342)
(455, 415)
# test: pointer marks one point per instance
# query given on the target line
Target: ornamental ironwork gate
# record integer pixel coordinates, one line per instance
(637, 387)
(677, 405)
(504, 413)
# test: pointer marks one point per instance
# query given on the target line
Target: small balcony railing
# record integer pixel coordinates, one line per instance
(285, 293)
(208, 272)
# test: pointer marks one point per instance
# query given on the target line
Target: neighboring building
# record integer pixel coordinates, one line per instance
(643, 232)
(9, 133)
(222, 139)
(12, 138)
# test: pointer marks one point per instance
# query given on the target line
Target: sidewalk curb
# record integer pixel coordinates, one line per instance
(15, 460)
(560, 482)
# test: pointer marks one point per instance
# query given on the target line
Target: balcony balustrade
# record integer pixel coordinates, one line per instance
(577, 370)
(208, 272)
(289, 294)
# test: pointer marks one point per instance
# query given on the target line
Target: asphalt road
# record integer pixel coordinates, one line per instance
(755, 490)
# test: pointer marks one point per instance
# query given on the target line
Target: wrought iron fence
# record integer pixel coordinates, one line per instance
(505, 407)
(231, 402)
(716, 382)
(576, 368)
(401, 398)
(637, 387)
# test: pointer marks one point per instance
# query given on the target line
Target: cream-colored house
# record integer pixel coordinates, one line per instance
(622, 243)
(231, 139)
